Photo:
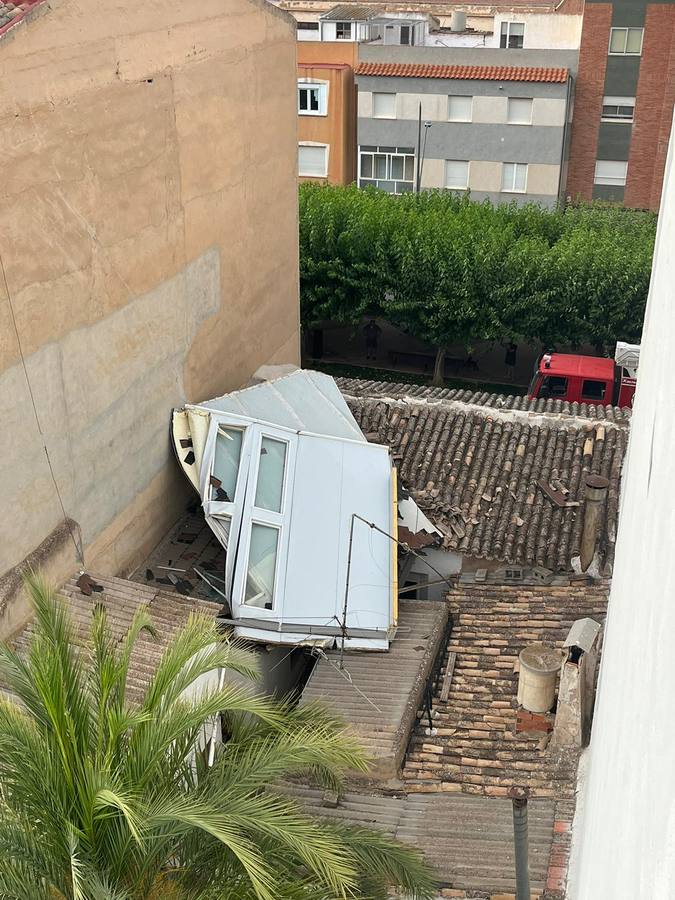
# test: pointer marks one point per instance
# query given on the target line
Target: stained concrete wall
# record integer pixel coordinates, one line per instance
(148, 213)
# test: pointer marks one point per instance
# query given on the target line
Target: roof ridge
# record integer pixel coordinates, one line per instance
(530, 417)
(463, 71)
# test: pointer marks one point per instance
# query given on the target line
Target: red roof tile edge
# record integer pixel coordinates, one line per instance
(480, 73)
(22, 10)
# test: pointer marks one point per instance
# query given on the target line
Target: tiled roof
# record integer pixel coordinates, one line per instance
(475, 471)
(468, 841)
(122, 598)
(347, 12)
(394, 685)
(477, 73)
(13, 13)
(477, 747)
(357, 387)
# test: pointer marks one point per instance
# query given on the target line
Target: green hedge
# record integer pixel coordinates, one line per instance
(451, 270)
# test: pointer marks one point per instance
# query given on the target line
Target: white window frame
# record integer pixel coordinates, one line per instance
(349, 25)
(625, 30)
(395, 154)
(508, 35)
(463, 187)
(468, 97)
(313, 144)
(255, 515)
(514, 100)
(618, 101)
(384, 94)
(314, 84)
(513, 189)
(611, 180)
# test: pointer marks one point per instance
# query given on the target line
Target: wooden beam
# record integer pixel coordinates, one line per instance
(447, 678)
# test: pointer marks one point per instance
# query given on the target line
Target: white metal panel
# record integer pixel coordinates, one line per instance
(333, 480)
(303, 400)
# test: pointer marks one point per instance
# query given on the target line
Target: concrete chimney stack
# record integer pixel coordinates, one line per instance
(596, 492)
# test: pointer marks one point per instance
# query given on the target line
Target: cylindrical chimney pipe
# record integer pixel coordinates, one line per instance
(596, 491)
(520, 840)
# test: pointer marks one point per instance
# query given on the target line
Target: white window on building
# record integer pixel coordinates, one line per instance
(625, 41)
(519, 111)
(460, 108)
(514, 177)
(512, 35)
(390, 168)
(312, 98)
(343, 31)
(618, 109)
(384, 106)
(313, 160)
(456, 174)
(612, 172)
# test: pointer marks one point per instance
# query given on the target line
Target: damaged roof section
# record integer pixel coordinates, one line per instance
(499, 484)
(292, 489)
(355, 387)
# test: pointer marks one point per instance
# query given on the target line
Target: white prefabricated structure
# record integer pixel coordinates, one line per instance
(305, 507)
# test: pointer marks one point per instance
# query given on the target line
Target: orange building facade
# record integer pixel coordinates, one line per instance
(327, 112)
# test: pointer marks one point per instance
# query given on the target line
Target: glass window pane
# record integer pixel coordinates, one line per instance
(505, 27)
(519, 111)
(521, 177)
(312, 161)
(610, 172)
(314, 99)
(459, 108)
(456, 174)
(507, 176)
(303, 98)
(397, 167)
(271, 469)
(409, 168)
(617, 42)
(262, 560)
(384, 105)
(380, 166)
(634, 40)
(366, 165)
(517, 28)
(226, 464)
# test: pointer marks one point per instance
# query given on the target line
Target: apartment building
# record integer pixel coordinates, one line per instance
(624, 102)
(326, 112)
(499, 132)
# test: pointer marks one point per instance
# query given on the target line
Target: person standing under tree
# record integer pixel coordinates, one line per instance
(372, 332)
(510, 360)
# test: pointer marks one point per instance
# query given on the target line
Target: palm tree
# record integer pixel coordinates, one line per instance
(102, 799)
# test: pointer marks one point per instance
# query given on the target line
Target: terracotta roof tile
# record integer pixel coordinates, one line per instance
(12, 13)
(474, 472)
(479, 73)
(358, 387)
(477, 747)
(169, 612)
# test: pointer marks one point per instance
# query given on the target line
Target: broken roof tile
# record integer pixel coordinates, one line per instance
(474, 471)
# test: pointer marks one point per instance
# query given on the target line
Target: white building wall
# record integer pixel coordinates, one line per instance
(624, 841)
(543, 32)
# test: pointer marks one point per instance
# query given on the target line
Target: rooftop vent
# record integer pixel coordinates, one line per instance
(458, 21)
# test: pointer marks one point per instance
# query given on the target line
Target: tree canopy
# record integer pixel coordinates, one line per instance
(451, 270)
(106, 800)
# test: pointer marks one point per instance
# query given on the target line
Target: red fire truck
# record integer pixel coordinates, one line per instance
(587, 379)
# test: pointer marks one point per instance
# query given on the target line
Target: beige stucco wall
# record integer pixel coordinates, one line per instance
(148, 213)
(487, 176)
